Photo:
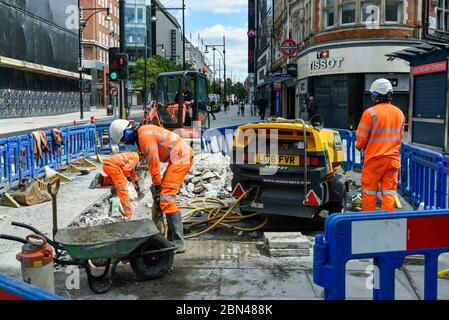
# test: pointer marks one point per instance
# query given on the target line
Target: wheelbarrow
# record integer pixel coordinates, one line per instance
(137, 241)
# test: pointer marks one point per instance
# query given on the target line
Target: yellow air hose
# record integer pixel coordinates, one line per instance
(220, 214)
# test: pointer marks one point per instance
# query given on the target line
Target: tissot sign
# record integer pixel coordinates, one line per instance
(325, 61)
(345, 60)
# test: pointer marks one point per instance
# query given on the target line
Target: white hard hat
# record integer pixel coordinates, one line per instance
(381, 87)
(116, 133)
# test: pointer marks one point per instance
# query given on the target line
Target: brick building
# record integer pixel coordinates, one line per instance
(100, 33)
(342, 47)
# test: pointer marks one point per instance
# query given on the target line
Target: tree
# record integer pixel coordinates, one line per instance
(155, 65)
(240, 91)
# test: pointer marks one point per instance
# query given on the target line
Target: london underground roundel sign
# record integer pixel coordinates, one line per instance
(289, 48)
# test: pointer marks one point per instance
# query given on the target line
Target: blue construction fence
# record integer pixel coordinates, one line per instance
(397, 235)
(18, 160)
(424, 177)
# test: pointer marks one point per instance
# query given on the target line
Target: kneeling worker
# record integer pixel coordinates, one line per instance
(161, 145)
(119, 168)
(380, 134)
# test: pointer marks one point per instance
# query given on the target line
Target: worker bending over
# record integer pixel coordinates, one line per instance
(119, 168)
(380, 134)
(161, 145)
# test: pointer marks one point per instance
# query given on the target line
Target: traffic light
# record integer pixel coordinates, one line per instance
(113, 65)
(122, 66)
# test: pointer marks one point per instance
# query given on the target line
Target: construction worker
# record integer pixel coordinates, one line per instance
(161, 145)
(380, 134)
(119, 168)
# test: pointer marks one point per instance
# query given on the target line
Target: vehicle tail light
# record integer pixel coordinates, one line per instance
(238, 191)
(312, 199)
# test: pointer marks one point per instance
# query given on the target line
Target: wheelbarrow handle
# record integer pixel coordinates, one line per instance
(13, 238)
(25, 226)
(53, 186)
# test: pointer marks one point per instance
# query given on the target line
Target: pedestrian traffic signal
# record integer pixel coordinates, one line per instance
(122, 67)
(113, 54)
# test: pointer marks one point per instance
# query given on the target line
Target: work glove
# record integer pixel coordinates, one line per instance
(156, 192)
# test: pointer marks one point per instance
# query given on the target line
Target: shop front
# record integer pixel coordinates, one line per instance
(339, 77)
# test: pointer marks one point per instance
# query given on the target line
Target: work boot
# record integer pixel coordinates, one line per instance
(176, 231)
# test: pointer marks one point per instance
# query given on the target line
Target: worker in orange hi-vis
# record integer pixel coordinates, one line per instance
(161, 145)
(380, 134)
(119, 168)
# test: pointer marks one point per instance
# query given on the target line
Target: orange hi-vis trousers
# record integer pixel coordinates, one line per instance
(383, 170)
(119, 180)
(171, 183)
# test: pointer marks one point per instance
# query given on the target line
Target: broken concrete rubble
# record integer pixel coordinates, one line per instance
(210, 177)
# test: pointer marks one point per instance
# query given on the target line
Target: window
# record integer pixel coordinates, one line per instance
(329, 13)
(347, 13)
(370, 12)
(393, 11)
(308, 20)
(140, 15)
(443, 15)
(130, 15)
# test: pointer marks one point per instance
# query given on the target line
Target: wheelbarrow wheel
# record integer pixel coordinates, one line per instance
(153, 265)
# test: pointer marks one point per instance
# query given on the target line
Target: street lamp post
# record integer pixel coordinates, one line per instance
(214, 48)
(82, 25)
(183, 8)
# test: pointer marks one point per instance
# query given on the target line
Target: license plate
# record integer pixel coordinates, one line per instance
(257, 205)
(277, 159)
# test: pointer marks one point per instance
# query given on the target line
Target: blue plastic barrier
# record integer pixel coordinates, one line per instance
(397, 235)
(102, 137)
(219, 140)
(425, 167)
(12, 289)
(52, 158)
(347, 140)
(80, 142)
(4, 167)
(443, 183)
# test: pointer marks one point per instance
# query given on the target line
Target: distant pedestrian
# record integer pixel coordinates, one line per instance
(312, 107)
(211, 109)
(242, 108)
(263, 104)
(226, 106)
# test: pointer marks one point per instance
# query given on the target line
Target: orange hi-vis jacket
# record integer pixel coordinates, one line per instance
(127, 162)
(161, 145)
(119, 167)
(381, 131)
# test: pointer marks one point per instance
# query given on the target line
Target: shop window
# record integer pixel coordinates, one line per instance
(370, 12)
(347, 13)
(393, 11)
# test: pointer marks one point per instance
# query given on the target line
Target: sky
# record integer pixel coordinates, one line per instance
(213, 19)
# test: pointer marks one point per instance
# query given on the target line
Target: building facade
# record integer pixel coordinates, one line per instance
(341, 48)
(99, 35)
(198, 59)
(38, 58)
(167, 34)
(138, 29)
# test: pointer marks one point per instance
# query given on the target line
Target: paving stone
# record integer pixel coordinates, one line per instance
(286, 240)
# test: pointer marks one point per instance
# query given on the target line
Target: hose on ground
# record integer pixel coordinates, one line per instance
(220, 214)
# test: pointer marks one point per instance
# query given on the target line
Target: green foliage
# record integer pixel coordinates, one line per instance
(237, 89)
(155, 65)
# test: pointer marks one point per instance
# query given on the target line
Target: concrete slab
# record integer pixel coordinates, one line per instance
(289, 252)
(286, 240)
